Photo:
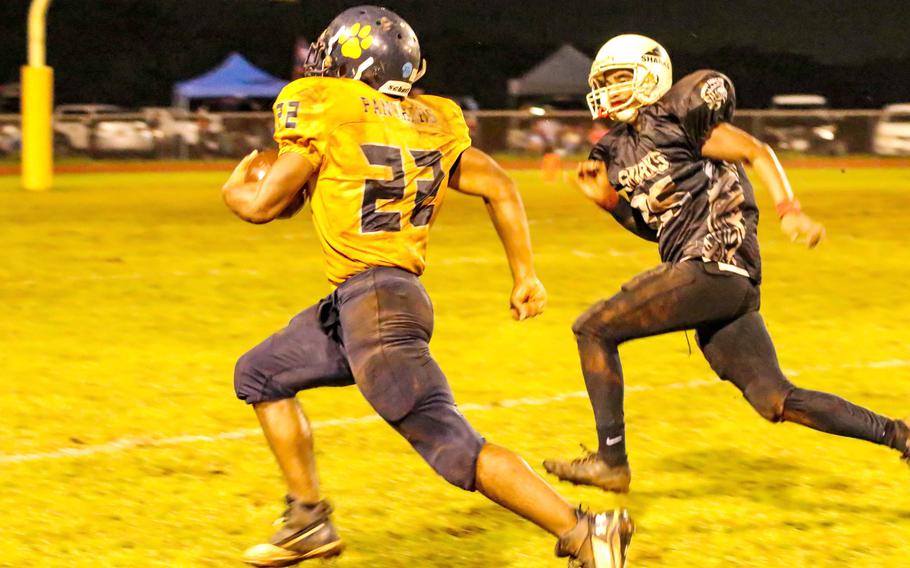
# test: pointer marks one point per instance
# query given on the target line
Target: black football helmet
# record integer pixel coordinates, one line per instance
(369, 44)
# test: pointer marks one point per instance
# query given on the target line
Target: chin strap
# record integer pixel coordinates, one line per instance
(418, 72)
(626, 115)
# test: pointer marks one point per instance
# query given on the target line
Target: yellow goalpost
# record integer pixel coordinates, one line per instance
(37, 105)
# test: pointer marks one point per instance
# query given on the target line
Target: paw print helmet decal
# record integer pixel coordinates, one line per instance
(369, 44)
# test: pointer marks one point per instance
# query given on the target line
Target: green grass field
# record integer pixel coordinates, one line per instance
(127, 299)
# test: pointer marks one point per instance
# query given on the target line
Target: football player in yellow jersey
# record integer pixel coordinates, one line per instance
(381, 166)
(377, 165)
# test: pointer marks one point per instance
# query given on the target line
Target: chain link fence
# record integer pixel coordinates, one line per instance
(163, 133)
(812, 132)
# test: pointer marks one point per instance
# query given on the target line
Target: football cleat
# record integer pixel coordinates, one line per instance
(306, 533)
(590, 469)
(599, 540)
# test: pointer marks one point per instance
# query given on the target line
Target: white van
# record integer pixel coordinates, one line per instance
(892, 133)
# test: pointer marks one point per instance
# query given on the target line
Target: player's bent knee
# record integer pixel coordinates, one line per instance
(446, 441)
(768, 397)
(250, 382)
(595, 324)
(458, 465)
(581, 327)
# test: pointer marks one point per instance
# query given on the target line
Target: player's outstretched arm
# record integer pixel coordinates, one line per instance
(265, 200)
(591, 178)
(728, 143)
(479, 175)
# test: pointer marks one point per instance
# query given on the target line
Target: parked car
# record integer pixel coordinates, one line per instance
(813, 132)
(10, 139)
(10, 94)
(100, 129)
(72, 126)
(892, 133)
(177, 130)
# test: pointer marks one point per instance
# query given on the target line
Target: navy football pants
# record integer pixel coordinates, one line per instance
(372, 331)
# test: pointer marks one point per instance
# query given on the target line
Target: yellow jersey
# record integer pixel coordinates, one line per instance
(382, 166)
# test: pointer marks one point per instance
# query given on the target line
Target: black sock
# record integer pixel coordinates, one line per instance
(834, 415)
(612, 444)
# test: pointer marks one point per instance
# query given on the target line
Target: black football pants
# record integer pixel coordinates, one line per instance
(723, 309)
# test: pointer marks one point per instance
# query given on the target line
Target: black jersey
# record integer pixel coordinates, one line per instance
(701, 208)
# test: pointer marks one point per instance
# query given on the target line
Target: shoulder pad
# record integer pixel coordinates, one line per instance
(700, 101)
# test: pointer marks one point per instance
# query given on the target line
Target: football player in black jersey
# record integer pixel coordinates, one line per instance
(671, 171)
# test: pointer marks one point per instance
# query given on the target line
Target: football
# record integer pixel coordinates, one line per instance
(258, 169)
(261, 165)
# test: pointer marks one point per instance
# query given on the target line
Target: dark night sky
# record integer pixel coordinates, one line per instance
(831, 31)
(131, 51)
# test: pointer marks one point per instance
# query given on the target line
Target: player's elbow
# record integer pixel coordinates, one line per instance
(256, 215)
(259, 218)
(758, 150)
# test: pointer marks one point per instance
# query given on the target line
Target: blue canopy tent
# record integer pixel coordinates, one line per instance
(235, 77)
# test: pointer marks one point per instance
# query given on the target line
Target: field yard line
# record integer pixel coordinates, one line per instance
(103, 277)
(126, 444)
(96, 277)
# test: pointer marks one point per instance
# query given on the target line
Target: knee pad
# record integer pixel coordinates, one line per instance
(768, 396)
(594, 323)
(582, 326)
(249, 381)
(446, 441)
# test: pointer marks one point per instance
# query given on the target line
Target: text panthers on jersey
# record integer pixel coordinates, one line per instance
(701, 208)
(383, 168)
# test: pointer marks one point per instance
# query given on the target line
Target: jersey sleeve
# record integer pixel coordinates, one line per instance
(461, 130)
(447, 117)
(708, 100)
(301, 113)
(458, 126)
(601, 150)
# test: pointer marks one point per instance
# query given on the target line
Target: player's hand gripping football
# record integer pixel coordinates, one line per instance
(800, 227)
(239, 175)
(528, 298)
(591, 177)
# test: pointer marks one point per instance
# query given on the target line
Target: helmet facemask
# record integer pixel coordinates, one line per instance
(621, 100)
(317, 60)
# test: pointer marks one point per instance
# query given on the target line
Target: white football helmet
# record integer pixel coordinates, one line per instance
(652, 76)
